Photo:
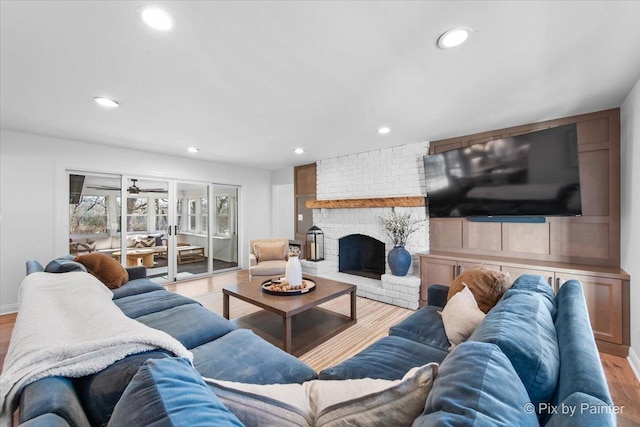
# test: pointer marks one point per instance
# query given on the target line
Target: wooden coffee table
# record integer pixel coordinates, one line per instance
(136, 257)
(294, 323)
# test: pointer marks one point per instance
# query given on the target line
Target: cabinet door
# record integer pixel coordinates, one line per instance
(516, 272)
(604, 303)
(463, 265)
(435, 271)
(440, 271)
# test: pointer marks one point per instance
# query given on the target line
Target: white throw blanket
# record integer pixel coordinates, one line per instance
(67, 325)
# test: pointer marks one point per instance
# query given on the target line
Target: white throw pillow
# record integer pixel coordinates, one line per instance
(361, 402)
(461, 316)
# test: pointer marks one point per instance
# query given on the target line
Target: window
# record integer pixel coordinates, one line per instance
(89, 216)
(137, 213)
(162, 211)
(222, 215)
(204, 213)
(192, 204)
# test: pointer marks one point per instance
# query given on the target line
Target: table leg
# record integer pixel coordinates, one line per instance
(225, 305)
(286, 334)
(353, 305)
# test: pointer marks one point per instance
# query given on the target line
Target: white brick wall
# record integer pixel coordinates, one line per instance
(388, 172)
(397, 171)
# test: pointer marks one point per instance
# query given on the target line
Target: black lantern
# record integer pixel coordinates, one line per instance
(315, 244)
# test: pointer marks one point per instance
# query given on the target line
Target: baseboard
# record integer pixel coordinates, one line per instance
(9, 308)
(634, 361)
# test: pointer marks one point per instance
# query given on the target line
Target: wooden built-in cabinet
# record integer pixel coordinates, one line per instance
(586, 248)
(606, 289)
(304, 183)
(593, 238)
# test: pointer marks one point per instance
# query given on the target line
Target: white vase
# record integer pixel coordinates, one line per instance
(293, 272)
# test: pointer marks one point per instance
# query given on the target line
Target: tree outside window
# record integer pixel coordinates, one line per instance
(192, 205)
(89, 216)
(204, 213)
(162, 212)
(222, 215)
(137, 208)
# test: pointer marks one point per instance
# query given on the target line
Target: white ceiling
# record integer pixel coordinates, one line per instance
(247, 82)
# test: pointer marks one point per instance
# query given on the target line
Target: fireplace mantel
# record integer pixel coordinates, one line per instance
(379, 202)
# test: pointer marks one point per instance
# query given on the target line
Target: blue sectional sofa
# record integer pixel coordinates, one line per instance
(220, 351)
(532, 361)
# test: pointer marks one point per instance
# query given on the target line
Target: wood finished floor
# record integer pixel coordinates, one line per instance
(374, 320)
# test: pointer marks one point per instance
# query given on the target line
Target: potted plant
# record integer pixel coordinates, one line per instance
(399, 228)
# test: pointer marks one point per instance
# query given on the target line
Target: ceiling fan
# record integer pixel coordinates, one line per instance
(133, 188)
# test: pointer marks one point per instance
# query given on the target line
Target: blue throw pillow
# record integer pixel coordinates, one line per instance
(477, 385)
(64, 265)
(522, 327)
(170, 392)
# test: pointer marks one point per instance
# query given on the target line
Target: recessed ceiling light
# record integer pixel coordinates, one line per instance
(454, 37)
(193, 149)
(384, 130)
(156, 18)
(298, 151)
(106, 102)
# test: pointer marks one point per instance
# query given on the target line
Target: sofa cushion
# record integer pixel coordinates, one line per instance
(135, 287)
(389, 358)
(536, 285)
(361, 402)
(260, 362)
(46, 420)
(170, 392)
(269, 268)
(100, 392)
(461, 316)
(64, 265)
(575, 337)
(105, 268)
(270, 251)
(191, 324)
(103, 243)
(522, 327)
(145, 242)
(150, 302)
(54, 395)
(89, 246)
(580, 409)
(477, 385)
(486, 285)
(424, 326)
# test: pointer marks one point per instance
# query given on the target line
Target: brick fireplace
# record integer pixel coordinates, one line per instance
(388, 172)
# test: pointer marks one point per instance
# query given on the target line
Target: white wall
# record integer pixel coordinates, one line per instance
(630, 211)
(34, 196)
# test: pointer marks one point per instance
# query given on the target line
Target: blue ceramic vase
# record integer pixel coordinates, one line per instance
(399, 261)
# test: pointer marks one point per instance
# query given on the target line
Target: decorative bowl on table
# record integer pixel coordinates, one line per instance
(279, 286)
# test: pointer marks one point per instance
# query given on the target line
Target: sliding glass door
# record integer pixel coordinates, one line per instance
(224, 235)
(191, 230)
(175, 229)
(146, 220)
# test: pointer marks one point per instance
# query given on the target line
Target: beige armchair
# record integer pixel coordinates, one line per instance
(268, 257)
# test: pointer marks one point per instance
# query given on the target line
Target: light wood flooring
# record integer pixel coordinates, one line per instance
(374, 321)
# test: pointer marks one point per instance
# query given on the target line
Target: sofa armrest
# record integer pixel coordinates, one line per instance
(34, 266)
(137, 272)
(54, 395)
(252, 260)
(437, 295)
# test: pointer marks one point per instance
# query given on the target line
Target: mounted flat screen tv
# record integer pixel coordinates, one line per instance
(535, 174)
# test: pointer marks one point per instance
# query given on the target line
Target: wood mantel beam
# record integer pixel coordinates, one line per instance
(379, 202)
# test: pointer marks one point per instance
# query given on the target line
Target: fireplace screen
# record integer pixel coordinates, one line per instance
(361, 255)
